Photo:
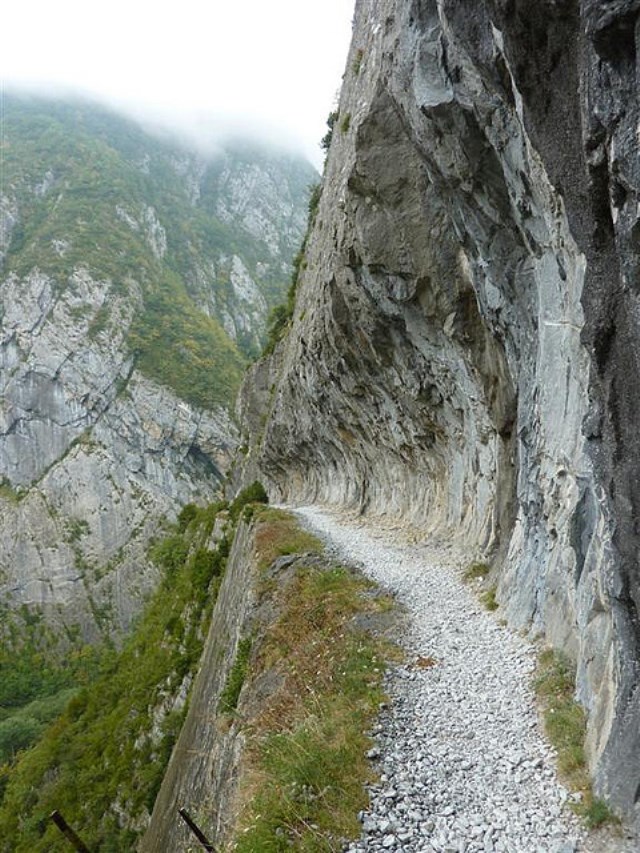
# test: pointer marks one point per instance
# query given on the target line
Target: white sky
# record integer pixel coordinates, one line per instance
(274, 65)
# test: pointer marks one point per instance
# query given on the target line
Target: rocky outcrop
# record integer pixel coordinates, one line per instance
(93, 454)
(202, 772)
(464, 349)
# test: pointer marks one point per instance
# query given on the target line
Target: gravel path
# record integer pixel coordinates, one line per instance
(464, 767)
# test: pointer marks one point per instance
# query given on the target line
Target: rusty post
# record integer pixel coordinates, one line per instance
(69, 834)
(186, 817)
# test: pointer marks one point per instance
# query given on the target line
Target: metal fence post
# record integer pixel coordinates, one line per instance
(68, 833)
(186, 817)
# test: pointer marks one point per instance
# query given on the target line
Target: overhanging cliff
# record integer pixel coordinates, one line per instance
(464, 351)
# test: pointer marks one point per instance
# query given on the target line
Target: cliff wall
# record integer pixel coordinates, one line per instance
(204, 763)
(136, 276)
(464, 351)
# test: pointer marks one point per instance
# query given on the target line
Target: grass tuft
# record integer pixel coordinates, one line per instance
(565, 725)
(475, 571)
(231, 693)
(306, 764)
(488, 598)
(278, 535)
(357, 61)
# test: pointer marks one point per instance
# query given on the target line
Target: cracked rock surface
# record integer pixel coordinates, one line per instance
(92, 456)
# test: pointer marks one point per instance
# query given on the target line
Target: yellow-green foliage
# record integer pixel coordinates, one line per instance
(305, 771)
(235, 680)
(99, 758)
(489, 600)
(475, 571)
(96, 198)
(279, 534)
(565, 725)
(181, 347)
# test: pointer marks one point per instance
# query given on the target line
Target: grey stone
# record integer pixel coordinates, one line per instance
(465, 349)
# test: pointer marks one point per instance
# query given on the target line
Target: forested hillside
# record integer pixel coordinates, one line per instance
(205, 244)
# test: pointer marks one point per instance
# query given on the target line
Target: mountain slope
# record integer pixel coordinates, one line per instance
(464, 353)
(136, 281)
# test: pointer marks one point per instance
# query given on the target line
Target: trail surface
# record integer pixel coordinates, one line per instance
(464, 766)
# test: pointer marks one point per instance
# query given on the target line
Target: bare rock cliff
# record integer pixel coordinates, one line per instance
(92, 454)
(464, 352)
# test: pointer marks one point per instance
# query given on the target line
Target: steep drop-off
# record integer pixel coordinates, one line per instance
(136, 279)
(464, 351)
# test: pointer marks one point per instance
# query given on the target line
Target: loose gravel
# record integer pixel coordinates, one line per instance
(464, 768)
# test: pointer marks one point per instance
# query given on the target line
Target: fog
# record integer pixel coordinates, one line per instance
(203, 69)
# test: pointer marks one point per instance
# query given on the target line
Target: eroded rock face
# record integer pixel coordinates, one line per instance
(92, 454)
(465, 347)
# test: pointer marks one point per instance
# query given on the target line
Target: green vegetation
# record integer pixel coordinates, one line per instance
(565, 725)
(475, 571)
(230, 694)
(253, 494)
(102, 760)
(315, 195)
(96, 192)
(8, 493)
(182, 348)
(38, 676)
(76, 529)
(332, 118)
(25, 725)
(279, 535)
(281, 315)
(488, 598)
(345, 124)
(356, 65)
(303, 783)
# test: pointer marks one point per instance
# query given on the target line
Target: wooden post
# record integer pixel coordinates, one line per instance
(186, 817)
(66, 830)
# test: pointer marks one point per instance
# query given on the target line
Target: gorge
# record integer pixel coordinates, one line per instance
(459, 358)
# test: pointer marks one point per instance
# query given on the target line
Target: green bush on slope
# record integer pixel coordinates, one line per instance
(101, 763)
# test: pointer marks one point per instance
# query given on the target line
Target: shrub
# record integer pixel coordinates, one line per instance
(476, 571)
(186, 516)
(16, 733)
(314, 201)
(255, 493)
(231, 693)
(171, 553)
(325, 142)
(488, 598)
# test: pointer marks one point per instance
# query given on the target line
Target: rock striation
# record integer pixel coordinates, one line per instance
(93, 454)
(464, 351)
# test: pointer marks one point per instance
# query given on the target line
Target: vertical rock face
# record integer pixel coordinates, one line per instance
(92, 455)
(465, 344)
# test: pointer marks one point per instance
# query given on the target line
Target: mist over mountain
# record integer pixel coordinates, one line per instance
(137, 277)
